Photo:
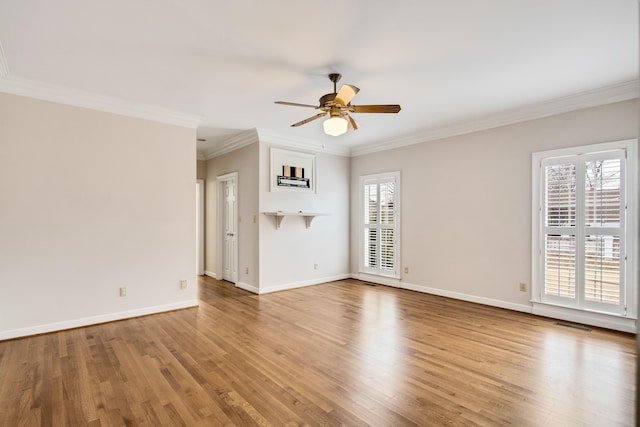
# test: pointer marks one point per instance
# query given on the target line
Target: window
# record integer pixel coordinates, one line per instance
(379, 219)
(582, 238)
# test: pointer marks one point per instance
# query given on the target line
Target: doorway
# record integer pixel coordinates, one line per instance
(227, 226)
(200, 227)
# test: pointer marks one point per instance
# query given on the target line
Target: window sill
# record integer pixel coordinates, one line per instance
(375, 278)
(592, 318)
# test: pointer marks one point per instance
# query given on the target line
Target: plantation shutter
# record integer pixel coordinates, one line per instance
(371, 222)
(559, 229)
(583, 228)
(379, 207)
(604, 221)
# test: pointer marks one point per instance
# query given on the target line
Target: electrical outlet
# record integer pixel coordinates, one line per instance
(315, 266)
(523, 287)
(183, 284)
(246, 270)
(406, 270)
(123, 292)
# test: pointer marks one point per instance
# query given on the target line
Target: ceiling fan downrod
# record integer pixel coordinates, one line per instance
(335, 78)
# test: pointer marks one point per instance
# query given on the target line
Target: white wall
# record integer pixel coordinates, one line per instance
(288, 254)
(466, 201)
(91, 202)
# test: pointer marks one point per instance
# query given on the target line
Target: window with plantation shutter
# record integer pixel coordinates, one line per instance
(379, 247)
(560, 223)
(604, 220)
(582, 240)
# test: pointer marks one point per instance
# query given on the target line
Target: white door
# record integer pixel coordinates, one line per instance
(229, 271)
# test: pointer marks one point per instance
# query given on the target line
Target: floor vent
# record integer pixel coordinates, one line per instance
(568, 325)
(369, 284)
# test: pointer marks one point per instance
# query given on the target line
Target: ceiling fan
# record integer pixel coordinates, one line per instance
(338, 106)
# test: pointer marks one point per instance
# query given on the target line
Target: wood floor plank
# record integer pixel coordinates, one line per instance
(340, 353)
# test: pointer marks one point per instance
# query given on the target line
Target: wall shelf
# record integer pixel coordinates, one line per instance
(308, 217)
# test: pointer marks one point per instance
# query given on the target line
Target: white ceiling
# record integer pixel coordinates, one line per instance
(443, 61)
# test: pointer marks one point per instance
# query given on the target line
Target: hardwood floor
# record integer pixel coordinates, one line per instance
(341, 353)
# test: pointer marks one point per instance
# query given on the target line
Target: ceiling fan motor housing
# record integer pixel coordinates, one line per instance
(325, 99)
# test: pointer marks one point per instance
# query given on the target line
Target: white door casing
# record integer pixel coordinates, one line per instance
(200, 227)
(227, 218)
(229, 270)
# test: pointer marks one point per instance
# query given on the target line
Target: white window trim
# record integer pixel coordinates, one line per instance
(362, 269)
(621, 322)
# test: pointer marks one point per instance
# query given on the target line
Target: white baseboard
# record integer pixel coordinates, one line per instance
(578, 316)
(303, 283)
(248, 287)
(466, 297)
(93, 320)
(441, 292)
(211, 274)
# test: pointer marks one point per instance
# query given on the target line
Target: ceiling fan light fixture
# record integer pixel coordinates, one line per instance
(335, 126)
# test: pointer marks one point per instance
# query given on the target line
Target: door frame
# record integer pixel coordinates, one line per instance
(220, 182)
(200, 227)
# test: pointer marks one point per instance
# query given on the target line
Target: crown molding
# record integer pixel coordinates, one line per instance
(235, 142)
(200, 155)
(272, 137)
(94, 101)
(4, 65)
(268, 136)
(593, 98)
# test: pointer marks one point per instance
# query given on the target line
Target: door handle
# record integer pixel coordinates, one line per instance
(230, 234)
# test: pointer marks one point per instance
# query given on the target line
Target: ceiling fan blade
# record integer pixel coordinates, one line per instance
(390, 108)
(295, 104)
(351, 122)
(346, 94)
(310, 119)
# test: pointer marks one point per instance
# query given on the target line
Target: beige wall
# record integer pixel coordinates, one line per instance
(86, 209)
(244, 161)
(466, 201)
(201, 169)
